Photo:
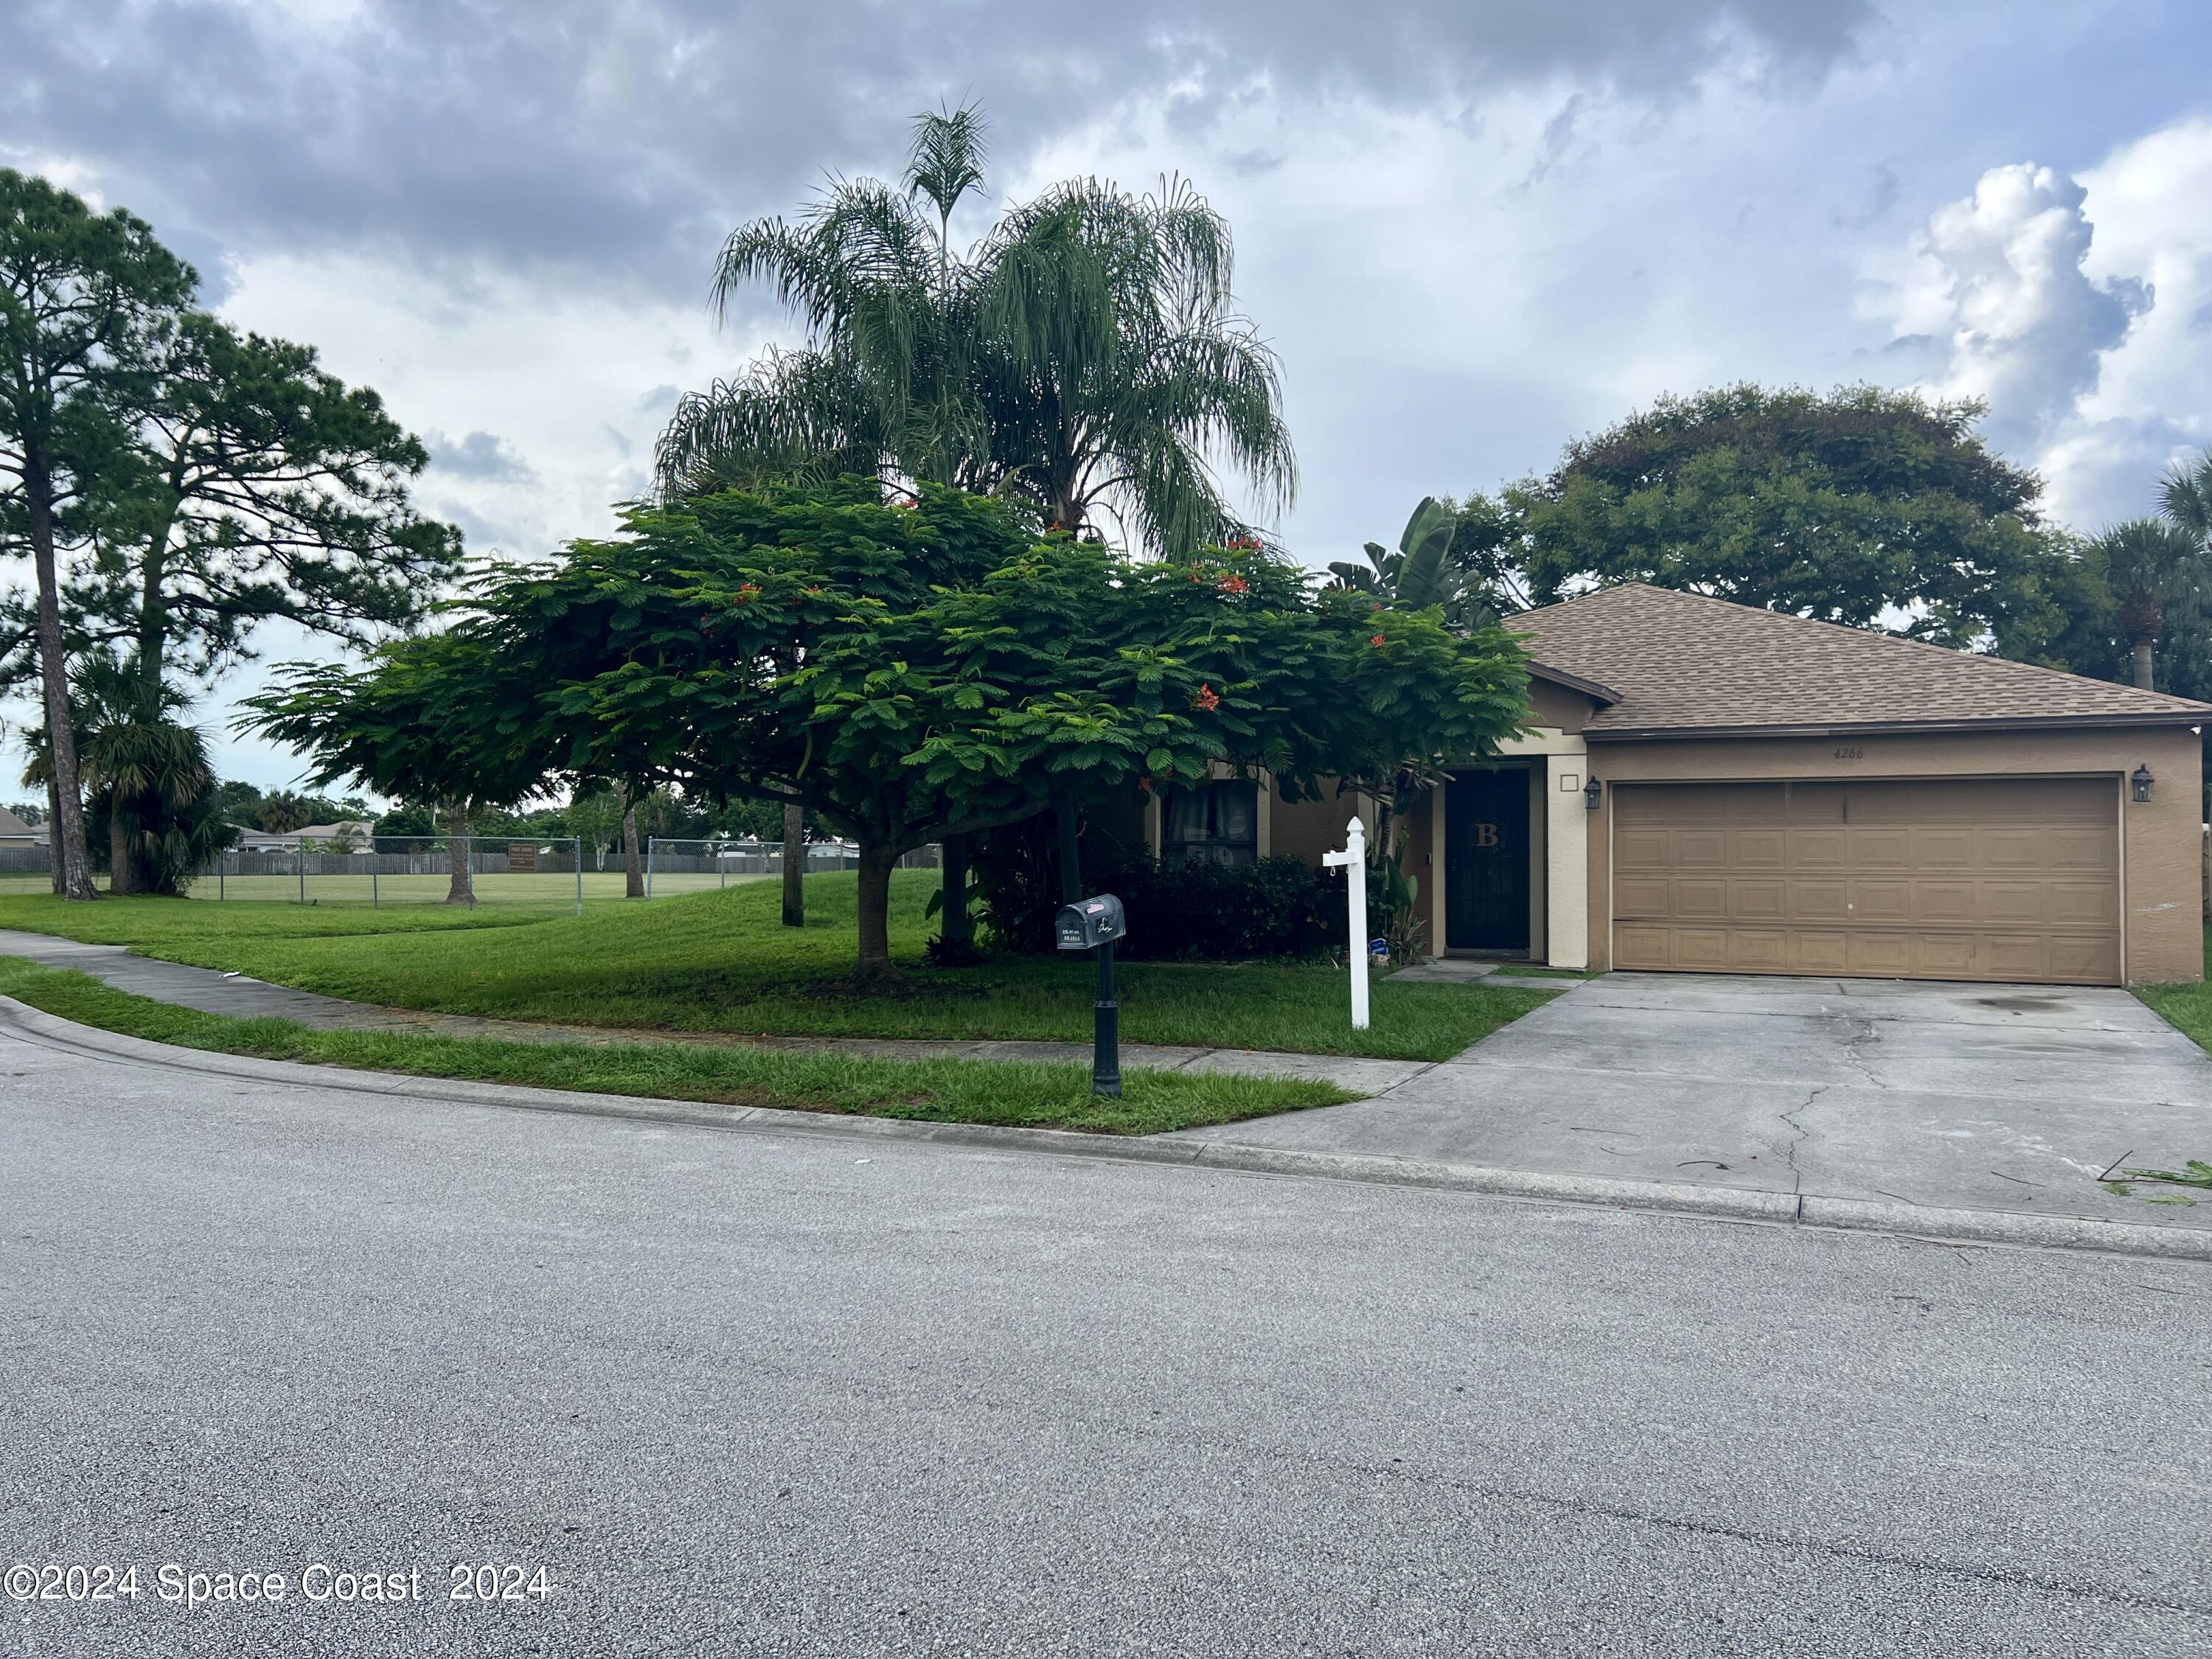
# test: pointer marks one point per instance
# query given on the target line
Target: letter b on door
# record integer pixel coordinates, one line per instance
(1485, 835)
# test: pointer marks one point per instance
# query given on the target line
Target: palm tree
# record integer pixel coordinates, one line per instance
(147, 774)
(791, 415)
(881, 388)
(2186, 499)
(2147, 563)
(1115, 370)
(1085, 356)
(282, 812)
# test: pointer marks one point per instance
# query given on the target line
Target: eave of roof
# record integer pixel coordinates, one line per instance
(1603, 696)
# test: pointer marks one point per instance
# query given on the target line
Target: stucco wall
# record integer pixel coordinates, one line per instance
(2160, 841)
(1307, 829)
(1556, 706)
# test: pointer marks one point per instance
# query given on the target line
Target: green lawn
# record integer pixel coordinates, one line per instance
(2189, 1007)
(936, 1090)
(722, 961)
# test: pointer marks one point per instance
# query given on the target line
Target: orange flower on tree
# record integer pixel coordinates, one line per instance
(1206, 699)
(1378, 641)
(1233, 584)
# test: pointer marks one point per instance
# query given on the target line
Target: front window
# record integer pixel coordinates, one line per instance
(1212, 824)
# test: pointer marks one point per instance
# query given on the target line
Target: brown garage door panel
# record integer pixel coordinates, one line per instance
(1999, 878)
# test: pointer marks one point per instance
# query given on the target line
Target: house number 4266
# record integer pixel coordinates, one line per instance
(1851, 752)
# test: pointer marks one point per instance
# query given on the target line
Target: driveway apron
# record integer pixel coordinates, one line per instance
(1978, 1097)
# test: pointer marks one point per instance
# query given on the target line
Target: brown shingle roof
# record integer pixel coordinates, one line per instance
(1682, 662)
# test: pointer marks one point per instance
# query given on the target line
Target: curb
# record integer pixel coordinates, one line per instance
(2001, 1227)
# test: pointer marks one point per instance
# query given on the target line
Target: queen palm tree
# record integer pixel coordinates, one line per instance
(1084, 357)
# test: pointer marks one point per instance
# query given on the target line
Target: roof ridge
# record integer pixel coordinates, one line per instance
(2164, 699)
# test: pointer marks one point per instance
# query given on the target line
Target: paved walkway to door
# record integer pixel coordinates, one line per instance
(1978, 1097)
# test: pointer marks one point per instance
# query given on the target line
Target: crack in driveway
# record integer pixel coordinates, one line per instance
(1800, 1136)
(1853, 1044)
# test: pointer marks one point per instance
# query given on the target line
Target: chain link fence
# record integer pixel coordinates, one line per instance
(395, 870)
(675, 864)
(561, 871)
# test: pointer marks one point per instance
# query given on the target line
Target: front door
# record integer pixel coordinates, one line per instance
(1486, 861)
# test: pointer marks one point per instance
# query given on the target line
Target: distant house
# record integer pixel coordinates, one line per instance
(14, 832)
(319, 837)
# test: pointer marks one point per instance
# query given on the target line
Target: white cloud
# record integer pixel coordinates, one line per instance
(2152, 202)
(2079, 309)
(1453, 300)
(2026, 326)
(566, 380)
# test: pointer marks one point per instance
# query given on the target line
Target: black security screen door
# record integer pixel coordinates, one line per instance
(1486, 861)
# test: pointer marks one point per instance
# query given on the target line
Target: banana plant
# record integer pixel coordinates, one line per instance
(1418, 574)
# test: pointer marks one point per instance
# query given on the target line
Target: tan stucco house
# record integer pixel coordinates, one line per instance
(1706, 787)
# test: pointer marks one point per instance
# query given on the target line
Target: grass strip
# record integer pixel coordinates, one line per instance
(2187, 1007)
(1017, 1094)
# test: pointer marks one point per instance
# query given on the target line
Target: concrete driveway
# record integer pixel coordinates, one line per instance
(1978, 1096)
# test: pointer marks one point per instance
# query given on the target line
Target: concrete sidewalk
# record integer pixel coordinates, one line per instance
(1979, 1096)
(213, 992)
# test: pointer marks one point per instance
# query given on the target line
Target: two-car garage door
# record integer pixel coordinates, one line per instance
(1968, 878)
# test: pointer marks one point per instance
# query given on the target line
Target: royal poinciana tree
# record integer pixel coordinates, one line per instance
(907, 672)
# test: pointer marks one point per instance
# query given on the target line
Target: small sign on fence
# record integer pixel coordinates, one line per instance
(522, 855)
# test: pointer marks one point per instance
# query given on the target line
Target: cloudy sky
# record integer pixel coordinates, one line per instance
(1472, 229)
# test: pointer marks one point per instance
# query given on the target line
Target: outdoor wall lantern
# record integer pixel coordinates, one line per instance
(2142, 781)
(1592, 792)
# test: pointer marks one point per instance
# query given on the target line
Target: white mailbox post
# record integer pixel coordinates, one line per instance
(1354, 859)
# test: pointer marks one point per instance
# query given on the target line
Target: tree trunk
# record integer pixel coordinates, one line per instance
(633, 867)
(154, 618)
(877, 859)
(119, 848)
(127, 872)
(1071, 867)
(795, 864)
(66, 833)
(462, 890)
(2143, 664)
(956, 930)
(53, 817)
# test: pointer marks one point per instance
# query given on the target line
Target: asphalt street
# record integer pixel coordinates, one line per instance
(769, 1394)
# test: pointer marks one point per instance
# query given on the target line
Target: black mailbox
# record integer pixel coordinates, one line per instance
(1088, 923)
(1093, 924)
